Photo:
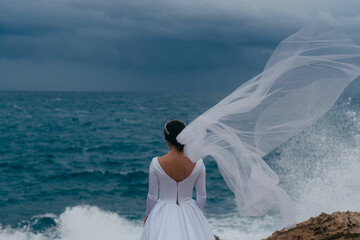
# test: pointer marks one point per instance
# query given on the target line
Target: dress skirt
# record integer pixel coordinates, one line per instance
(170, 221)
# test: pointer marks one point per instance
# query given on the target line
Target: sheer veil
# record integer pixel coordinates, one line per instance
(303, 78)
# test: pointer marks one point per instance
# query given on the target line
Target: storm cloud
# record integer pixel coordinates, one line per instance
(153, 45)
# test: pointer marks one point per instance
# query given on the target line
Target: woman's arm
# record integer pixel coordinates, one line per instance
(200, 186)
(153, 190)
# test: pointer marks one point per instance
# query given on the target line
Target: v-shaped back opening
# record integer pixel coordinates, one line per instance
(162, 169)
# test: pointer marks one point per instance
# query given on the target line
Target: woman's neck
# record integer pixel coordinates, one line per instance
(174, 151)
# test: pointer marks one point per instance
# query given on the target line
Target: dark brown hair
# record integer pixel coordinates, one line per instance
(172, 129)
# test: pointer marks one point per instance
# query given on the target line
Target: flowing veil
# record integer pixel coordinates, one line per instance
(303, 78)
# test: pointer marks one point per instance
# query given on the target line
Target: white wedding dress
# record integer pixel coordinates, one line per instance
(173, 214)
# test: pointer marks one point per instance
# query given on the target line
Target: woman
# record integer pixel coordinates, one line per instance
(174, 214)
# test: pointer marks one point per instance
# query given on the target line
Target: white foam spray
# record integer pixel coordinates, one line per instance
(81, 223)
(321, 167)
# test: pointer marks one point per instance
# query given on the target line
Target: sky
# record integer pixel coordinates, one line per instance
(150, 45)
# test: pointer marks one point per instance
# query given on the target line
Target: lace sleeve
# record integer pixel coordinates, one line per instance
(200, 186)
(153, 189)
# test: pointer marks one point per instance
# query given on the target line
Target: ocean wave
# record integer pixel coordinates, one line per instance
(76, 223)
(104, 148)
(96, 175)
(320, 167)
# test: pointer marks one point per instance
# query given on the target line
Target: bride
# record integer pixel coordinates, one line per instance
(173, 214)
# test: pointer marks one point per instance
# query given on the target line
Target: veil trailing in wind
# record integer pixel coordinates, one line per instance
(303, 78)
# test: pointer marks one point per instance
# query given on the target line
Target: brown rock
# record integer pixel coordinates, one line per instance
(338, 225)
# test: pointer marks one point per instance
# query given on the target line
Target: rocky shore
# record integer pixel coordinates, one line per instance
(338, 225)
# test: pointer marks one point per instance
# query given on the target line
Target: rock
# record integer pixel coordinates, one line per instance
(338, 225)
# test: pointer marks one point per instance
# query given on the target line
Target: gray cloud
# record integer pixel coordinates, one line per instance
(149, 45)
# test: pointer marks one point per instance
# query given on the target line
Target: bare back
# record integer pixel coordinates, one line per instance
(178, 166)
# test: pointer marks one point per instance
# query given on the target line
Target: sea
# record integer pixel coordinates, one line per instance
(74, 165)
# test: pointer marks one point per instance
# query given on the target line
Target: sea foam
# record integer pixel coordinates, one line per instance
(320, 167)
(80, 223)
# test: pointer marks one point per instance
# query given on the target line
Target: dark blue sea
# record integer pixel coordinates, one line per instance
(74, 165)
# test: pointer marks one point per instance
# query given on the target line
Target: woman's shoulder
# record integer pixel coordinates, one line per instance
(199, 166)
(153, 163)
(201, 163)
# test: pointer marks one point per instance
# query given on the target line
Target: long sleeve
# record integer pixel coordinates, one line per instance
(200, 186)
(153, 189)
